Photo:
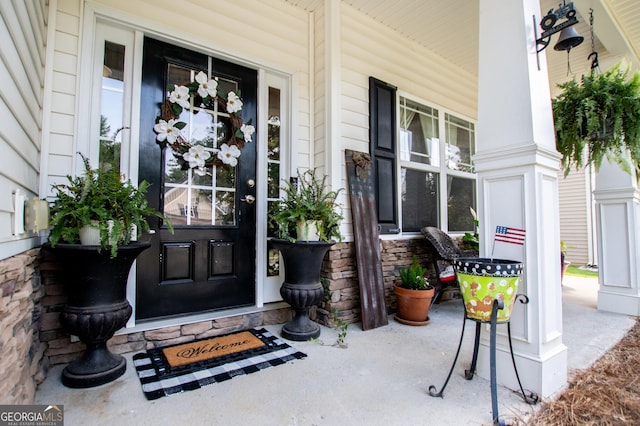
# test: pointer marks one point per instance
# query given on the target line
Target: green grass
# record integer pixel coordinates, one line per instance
(575, 271)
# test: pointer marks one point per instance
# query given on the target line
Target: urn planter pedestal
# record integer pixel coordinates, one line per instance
(301, 287)
(97, 307)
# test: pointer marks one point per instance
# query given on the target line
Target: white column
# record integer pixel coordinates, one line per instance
(617, 223)
(517, 167)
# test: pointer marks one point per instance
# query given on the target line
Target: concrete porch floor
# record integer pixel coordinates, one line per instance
(380, 379)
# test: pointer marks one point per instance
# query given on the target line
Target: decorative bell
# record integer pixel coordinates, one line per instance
(569, 38)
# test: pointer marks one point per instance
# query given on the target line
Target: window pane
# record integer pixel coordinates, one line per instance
(273, 181)
(273, 260)
(192, 199)
(419, 141)
(274, 170)
(112, 105)
(462, 195)
(460, 139)
(419, 200)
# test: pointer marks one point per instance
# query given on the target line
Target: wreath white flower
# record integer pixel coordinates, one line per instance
(205, 93)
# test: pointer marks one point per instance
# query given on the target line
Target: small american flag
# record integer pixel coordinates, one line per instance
(509, 235)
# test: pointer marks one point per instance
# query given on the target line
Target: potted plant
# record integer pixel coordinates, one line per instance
(308, 210)
(302, 255)
(600, 113)
(414, 295)
(95, 276)
(103, 200)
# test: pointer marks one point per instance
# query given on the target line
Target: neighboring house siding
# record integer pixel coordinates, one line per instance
(23, 31)
(575, 215)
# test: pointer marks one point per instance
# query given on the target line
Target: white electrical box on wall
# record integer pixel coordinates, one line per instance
(18, 212)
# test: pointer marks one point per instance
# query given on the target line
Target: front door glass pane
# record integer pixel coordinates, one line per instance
(273, 172)
(192, 199)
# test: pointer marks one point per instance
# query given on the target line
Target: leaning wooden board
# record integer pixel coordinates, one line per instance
(365, 232)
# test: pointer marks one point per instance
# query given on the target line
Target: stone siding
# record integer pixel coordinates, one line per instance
(21, 351)
(63, 348)
(342, 299)
(339, 270)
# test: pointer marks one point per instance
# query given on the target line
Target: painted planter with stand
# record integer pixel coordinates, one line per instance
(489, 290)
(301, 287)
(484, 280)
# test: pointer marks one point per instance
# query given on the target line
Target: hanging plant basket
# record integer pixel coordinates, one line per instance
(599, 114)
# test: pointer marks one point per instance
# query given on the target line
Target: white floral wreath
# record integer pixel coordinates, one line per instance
(196, 157)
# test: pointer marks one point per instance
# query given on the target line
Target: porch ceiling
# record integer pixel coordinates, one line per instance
(450, 29)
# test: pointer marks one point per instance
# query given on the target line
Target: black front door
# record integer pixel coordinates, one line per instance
(209, 262)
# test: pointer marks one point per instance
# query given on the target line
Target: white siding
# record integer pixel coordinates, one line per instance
(273, 35)
(23, 31)
(60, 138)
(372, 49)
(575, 218)
(270, 34)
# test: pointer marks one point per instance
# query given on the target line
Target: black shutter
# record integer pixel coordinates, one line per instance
(382, 138)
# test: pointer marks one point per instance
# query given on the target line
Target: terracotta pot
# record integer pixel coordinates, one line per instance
(413, 305)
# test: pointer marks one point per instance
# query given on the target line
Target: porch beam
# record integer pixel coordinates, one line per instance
(517, 167)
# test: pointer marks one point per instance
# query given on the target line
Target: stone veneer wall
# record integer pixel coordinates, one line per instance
(343, 294)
(340, 272)
(62, 348)
(21, 351)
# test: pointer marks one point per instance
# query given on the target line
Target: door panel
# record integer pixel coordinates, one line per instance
(209, 262)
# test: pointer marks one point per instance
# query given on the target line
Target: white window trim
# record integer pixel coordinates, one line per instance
(441, 170)
(267, 287)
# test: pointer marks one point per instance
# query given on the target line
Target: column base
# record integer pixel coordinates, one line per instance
(544, 376)
(626, 304)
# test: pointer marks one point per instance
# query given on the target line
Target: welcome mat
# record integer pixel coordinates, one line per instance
(188, 366)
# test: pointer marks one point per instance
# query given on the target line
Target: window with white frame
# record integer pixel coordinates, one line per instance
(437, 179)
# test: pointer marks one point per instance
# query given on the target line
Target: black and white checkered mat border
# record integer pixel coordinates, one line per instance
(158, 382)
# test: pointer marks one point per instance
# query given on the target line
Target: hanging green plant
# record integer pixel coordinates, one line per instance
(599, 114)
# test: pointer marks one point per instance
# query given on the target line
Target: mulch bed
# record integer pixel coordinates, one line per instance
(607, 393)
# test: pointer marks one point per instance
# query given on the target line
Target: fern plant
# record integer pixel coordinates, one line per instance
(102, 197)
(309, 200)
(599, 114)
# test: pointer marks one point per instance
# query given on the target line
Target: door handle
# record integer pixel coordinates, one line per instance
(249, 199)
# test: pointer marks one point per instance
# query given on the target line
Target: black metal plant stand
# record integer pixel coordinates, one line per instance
(530, 398)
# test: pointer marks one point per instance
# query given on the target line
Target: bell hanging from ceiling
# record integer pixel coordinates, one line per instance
(569, 38)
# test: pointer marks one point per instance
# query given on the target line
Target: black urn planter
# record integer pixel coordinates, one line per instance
(301, 287)
(97, 307)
